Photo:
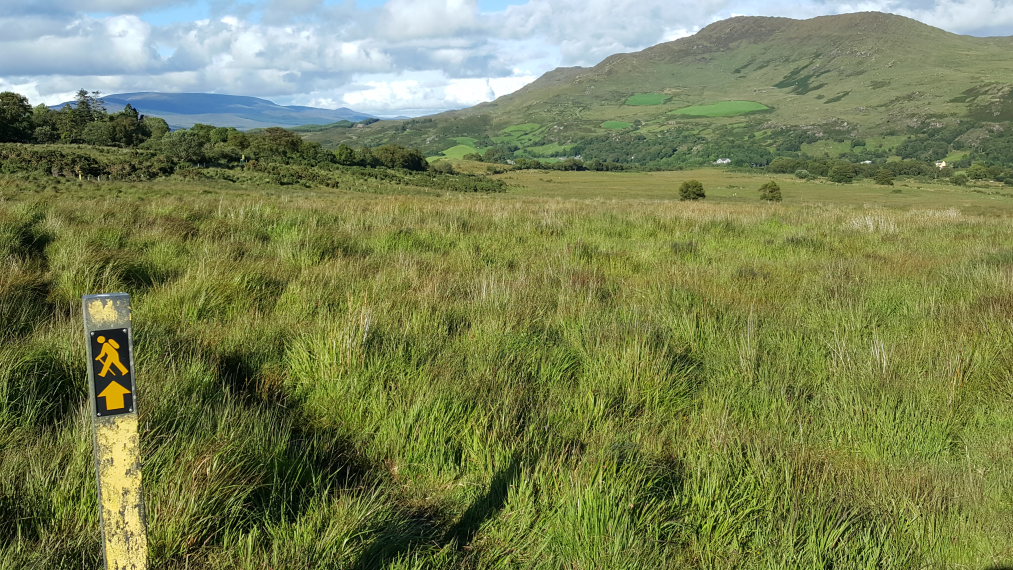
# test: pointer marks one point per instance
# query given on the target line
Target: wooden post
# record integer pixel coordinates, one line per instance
(114, 417)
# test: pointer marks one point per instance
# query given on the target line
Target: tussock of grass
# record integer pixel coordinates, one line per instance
(348, 380)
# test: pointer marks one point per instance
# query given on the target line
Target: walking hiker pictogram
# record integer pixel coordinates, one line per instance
(111, 355)
(112, 374)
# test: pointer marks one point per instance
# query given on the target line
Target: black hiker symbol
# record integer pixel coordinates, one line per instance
(110, 352)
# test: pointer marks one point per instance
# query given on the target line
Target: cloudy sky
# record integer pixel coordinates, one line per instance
(386, 57)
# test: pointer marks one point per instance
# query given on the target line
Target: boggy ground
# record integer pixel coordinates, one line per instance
(332, 379)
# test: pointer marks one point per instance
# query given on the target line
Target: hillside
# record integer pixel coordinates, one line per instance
(183, 110)
(784, 85)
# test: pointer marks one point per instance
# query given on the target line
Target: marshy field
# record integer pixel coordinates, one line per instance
(581, 372)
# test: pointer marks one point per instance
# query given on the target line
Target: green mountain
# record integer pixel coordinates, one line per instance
(744, 87)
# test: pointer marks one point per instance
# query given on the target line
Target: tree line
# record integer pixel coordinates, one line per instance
(87, 121)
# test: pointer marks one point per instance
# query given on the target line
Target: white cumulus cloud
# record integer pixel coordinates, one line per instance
(396, 57)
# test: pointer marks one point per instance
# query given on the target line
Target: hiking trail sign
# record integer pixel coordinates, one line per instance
(114, 417)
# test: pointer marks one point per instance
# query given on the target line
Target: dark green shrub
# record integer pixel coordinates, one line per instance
(883, 177)
(770, 192)
(842, 174)
(691, 190)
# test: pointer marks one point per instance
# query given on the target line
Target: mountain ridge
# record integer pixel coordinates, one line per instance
(866, 74)
(183, 110)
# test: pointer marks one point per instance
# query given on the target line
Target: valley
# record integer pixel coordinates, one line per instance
(739, 300)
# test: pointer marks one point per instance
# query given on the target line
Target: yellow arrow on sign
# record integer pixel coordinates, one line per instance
(113, 394)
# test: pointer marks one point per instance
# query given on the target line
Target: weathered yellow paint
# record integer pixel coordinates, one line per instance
(117, 446)
(117, 450)
(104, 313)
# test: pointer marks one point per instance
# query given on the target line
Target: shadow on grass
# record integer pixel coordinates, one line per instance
(42, 388)
(261, 487)
(400, 538)
(30, 239)
(486, 506)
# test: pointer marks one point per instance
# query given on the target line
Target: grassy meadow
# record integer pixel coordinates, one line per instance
(580, 373)
(722, 109)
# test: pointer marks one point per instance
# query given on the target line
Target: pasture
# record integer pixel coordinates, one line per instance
(647, 99)
(458, 151)
(722, 109)
(525, 134)
(582, 372)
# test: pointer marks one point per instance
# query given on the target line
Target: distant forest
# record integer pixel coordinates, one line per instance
(83, 141)
(87, 122)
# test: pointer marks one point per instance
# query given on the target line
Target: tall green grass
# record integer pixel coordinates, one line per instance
(332, 379)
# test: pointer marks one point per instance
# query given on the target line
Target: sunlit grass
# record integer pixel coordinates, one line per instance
(565, 375)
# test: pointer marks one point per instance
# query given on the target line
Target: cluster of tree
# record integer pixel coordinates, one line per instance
(997, 149)
(990, 144)
(842, 171)
(636, 148)
(791, 140)
(498, 154)
(569, 164)
(934, 141)
(86, 121)
(389, 155)
(983, 171)
(206, 145)
(693, 190)
(923, 149)
(226, 146)
(675, 149)
(742, 152)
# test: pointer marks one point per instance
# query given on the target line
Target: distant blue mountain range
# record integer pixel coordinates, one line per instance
(183, 110)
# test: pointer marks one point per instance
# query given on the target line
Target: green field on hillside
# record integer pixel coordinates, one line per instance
(582, 372)
(549, 150)
(459, 151)
(526, 134)
(722, 109)
(647, 99)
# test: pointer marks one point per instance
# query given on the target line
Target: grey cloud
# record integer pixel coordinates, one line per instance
(20, 7)
(88, 47)
(594, 29)
(31, 26)
(455, 62)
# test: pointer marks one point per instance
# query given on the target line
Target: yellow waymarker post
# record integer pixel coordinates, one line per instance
(117, 448)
